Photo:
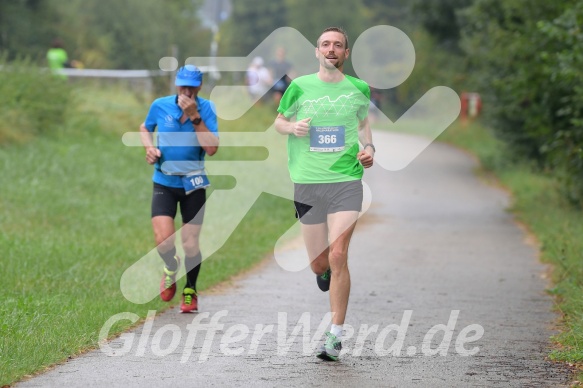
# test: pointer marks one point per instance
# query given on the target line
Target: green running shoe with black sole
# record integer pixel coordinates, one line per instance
(330, 351)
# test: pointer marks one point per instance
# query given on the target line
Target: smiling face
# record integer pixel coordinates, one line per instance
(332, 51)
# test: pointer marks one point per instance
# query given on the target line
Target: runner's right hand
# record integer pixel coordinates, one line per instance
(302, 127)
(152, 155)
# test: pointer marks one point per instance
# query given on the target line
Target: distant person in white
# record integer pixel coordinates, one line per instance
(258, 79)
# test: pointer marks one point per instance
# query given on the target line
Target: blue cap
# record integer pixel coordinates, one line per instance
(188, 75)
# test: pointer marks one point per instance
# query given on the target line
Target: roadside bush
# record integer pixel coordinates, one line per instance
(526, 58)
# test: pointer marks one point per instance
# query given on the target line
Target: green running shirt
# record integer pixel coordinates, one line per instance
(57, 58)
(330, 106)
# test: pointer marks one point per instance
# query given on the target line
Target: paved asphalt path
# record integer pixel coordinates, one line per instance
(435, 247)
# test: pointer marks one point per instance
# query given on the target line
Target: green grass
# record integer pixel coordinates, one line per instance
(75, 214)
(558, 226)
(24, 112)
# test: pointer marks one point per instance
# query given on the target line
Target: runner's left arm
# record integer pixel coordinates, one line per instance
(365, 156)
(152, 152)
(207, 140)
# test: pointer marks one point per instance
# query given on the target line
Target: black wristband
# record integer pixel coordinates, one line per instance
(371, 146)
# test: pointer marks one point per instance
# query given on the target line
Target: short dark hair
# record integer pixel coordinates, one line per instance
(334, 29)
(57, 43)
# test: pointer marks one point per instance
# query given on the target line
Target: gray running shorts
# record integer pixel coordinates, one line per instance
(313, 202)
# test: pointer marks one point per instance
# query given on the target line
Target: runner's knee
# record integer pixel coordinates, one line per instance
(319, 266)
(338, 259)
(191, 247)
(164, 244)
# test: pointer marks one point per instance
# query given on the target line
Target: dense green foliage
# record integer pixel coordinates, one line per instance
(252, 21)
(525, 57)
(441, 19)
(240, 37)
(131, 34)
(527, 60)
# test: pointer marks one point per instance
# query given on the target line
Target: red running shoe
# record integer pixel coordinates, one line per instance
(168, 282)
(189, 301)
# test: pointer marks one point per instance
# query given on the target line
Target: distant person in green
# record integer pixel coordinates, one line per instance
(57, 57)
(325, 115)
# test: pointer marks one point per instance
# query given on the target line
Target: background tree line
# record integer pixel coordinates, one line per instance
(109, 34)
(525, 57)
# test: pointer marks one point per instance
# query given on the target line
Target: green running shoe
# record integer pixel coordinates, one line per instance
(168, 283)
(330, 351)
(324, 280)
(189, 301)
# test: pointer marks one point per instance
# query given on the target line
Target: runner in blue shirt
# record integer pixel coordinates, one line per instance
(186, 131)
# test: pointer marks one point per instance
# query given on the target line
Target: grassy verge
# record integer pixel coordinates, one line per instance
(75, 214)
(25, 111)
(557, 225)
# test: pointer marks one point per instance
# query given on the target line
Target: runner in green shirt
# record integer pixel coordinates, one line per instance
(57, 57)
(324, 116)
